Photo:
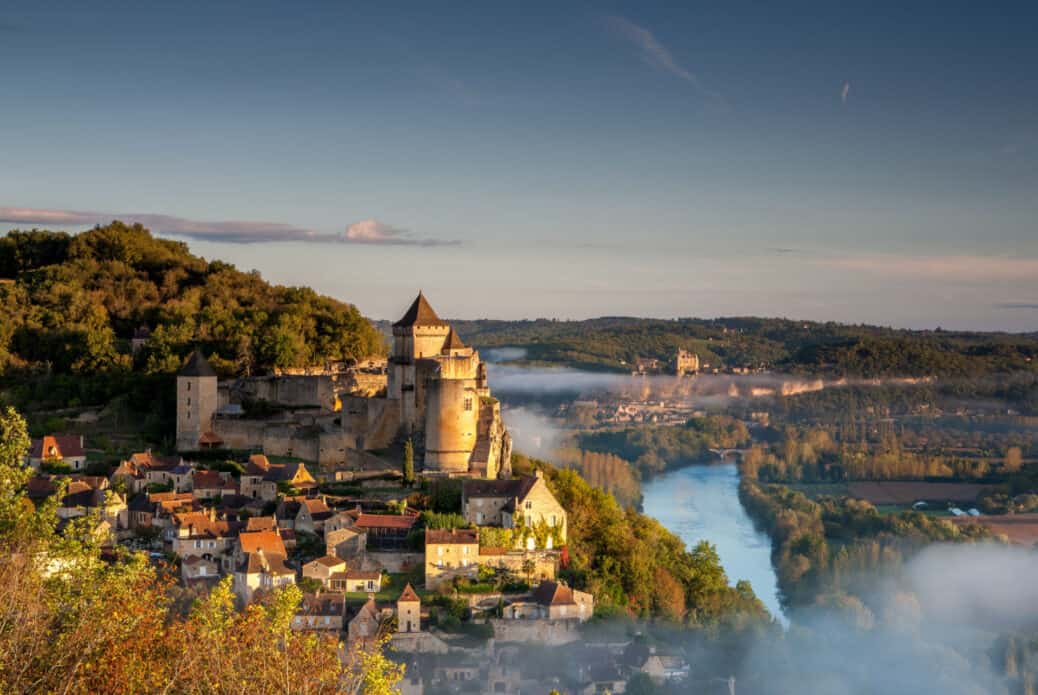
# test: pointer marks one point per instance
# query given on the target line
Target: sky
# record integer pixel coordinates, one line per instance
(860, 162)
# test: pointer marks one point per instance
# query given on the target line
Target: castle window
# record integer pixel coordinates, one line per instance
(189, 386)
(468, 404)
(189, 401)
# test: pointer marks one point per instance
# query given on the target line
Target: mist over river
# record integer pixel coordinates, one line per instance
(702, 503)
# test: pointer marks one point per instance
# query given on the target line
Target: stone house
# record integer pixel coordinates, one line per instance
(321, 611)
(366, 624)
(450, 554)
(525, 501)
(67, 449)
(178, 474)
(195, 568)
(312, 515)
(206, 485)
(259, 571)
(386, 531)
(552, 601)
(665, 669)
(357, 581)
(344, 542)
(323, 568)
(201, 534)
(254, 482)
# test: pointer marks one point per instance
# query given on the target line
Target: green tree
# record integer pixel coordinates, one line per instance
(408, 462)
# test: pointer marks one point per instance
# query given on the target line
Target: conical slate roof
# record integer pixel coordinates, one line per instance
(420, 314)
(196, 365)
(453, 342)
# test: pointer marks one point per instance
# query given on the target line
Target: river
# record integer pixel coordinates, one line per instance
(702, 503)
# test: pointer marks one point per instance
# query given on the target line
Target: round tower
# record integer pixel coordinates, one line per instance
(196, 401)
(451, 423)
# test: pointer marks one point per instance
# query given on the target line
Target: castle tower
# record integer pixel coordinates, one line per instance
(419, 334)
(408, 611)
(452, 405)
(196, 401)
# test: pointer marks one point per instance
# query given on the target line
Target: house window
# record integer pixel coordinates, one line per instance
(552, 519)
(468, 404)
(529, 505)
(465, 550)
(439, 551)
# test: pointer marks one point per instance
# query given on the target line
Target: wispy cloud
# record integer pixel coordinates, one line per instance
(845, 92)
(951, 267)
(370, 231)
(1029, 306)
(651, 51)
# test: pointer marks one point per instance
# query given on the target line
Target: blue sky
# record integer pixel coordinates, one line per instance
(875, 162)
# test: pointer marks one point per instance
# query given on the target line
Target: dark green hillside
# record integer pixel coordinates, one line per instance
(71, 305)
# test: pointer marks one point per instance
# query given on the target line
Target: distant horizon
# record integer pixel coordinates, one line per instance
(874, 164)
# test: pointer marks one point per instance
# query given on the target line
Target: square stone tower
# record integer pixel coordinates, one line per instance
(196, 401)
(408, 611)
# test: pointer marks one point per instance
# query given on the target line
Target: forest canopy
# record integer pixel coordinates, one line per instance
(73, 303)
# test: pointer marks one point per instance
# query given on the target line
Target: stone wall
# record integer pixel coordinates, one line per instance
(550, 632)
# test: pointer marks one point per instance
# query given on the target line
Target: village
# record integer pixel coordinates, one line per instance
(448, 557)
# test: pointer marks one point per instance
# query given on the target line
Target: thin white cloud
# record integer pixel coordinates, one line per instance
(845, 92)
(370, 232)
(950, 267)
(650, 50)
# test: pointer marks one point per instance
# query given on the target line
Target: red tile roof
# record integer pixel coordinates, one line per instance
(394, 521)
(267, 541)
(57, 446)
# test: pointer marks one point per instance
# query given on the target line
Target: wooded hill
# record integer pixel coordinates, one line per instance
(73, 303)
(614, 343)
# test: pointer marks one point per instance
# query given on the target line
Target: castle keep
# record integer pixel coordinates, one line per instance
(433, 389)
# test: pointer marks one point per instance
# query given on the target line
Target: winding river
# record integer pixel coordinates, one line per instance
(702, 502)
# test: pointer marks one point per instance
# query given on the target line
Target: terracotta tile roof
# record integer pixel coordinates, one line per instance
(408, 595)
(324, 603)
(461, 536)
(57, 446)
(267, 541)
(261, 523)
(199, 525)
(553, 594)
(258, 465)
(317, 506)
(330, 561)
(493, 550)
(255, 563)
(207, 480)
(420, 314)
(210, 438)
(363, 575)
(393, 521)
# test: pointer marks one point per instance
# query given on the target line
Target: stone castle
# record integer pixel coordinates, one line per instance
(432, 389)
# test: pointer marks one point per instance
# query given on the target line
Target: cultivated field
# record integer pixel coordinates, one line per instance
(906, 493)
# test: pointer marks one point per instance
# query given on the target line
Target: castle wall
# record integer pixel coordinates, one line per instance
(550, 632)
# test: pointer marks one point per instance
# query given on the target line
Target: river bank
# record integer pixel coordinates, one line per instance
(701, 502)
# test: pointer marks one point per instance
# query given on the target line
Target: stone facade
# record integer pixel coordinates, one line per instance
(686, 362)
(433, 389)
(196, 402)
